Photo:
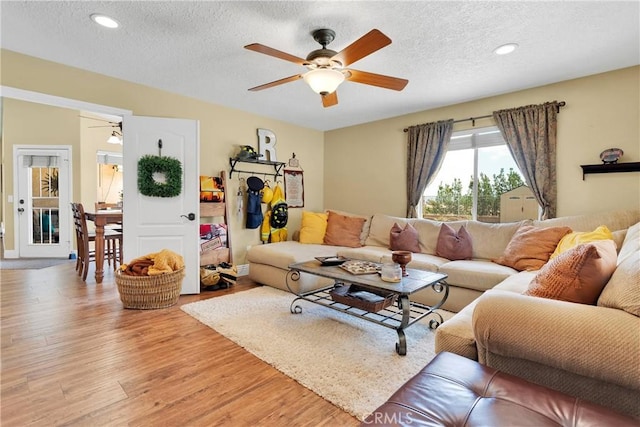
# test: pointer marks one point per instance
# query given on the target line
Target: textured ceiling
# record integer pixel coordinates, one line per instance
(443, 48)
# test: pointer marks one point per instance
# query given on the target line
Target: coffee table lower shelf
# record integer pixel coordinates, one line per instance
(398, 316)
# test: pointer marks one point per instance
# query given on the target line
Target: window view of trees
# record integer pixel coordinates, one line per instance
(454, 201)
(477, 171)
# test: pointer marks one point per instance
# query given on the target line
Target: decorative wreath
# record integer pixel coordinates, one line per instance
(170, 167)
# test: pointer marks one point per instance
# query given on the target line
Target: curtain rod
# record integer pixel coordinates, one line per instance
(473, 119)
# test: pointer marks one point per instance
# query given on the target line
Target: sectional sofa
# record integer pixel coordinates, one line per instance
(588, 351)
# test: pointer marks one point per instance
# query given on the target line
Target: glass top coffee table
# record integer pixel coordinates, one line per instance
(397, 311)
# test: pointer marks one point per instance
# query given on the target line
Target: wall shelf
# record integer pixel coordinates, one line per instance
(277, 167)
(610, 168)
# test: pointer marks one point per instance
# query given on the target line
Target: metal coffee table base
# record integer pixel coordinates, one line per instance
(398, 316)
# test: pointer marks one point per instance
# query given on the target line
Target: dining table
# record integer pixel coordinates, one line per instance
(100, 219)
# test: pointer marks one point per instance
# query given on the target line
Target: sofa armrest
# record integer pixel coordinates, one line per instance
(592, 341)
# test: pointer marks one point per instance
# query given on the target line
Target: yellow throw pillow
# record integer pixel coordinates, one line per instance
(576, 238)
(313, 228)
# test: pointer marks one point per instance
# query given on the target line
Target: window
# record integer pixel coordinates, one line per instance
(478, 180)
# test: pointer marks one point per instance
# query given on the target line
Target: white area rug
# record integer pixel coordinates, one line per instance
(348, 361)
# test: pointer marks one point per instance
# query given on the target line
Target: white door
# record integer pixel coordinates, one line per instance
(150, 223)
(42, 209)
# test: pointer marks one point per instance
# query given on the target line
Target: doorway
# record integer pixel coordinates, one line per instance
(42, 201)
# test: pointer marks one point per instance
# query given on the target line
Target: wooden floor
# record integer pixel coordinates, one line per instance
(71, 355)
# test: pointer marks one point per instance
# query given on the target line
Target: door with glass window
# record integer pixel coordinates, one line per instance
(42, 203)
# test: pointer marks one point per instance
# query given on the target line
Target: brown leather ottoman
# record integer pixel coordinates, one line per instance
(455, 391)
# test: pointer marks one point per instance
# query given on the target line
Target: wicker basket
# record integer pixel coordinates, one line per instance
(149, 292)
(341, 294)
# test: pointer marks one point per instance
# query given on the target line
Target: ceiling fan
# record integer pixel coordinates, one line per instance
(327, 68)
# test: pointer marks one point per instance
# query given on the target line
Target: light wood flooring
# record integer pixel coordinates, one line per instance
(72, 356)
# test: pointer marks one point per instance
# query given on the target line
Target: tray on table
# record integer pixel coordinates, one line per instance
(356, 296)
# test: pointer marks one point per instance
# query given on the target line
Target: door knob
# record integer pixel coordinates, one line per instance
(190, 217)
(20, 210)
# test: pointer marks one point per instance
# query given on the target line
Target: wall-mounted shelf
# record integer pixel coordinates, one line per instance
(610, 168)
(277, 167)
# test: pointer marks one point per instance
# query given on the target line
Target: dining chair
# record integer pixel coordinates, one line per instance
(112, 243)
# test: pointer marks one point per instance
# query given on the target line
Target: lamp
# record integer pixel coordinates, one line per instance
(323, 80)
(114, 138)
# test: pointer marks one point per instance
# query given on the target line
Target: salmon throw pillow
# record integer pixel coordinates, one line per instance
(530, 247)
(343, 230)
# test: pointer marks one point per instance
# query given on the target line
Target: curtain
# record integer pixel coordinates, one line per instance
(427, 147)
(530, 133)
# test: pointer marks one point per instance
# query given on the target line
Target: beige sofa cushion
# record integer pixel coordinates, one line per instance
(490, 240)
(475, 274)
(428, 232)
(281, 254)
(366, 253)
(421, 261)
(381, 228)
(623, 289)
(614, 220)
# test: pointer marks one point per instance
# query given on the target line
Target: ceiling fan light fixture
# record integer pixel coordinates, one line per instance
(323, 80)
(114, 139)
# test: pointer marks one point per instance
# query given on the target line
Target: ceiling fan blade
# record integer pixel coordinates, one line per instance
(277, 82)
(330, 99)
(365, 45)
(379, 80)
(260, 48)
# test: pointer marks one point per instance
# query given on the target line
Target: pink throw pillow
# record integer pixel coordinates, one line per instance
(454, 245)
(577, 275)
(404, 240)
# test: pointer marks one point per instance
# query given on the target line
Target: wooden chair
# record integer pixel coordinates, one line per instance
(100, 206)
(112, 240)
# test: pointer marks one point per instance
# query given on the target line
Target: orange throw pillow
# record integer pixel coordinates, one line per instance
(530, 247)
(343, 230)
(577, 275)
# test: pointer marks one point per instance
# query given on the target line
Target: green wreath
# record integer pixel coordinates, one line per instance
(170, 167)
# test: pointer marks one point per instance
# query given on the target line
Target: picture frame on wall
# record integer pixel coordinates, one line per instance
(294, 187)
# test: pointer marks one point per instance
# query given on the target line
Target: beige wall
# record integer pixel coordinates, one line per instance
(362, 168)
(364, 165)
(222, 129)
(25, 123)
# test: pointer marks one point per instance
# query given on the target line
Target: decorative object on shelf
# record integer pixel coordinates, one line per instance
(266, 144)
(247, 154)
(293, 162)
(149, 167)
(611, 155)
(403, 258)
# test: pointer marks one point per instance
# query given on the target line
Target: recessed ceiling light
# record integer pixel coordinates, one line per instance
(104, 20)
(505, 49)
